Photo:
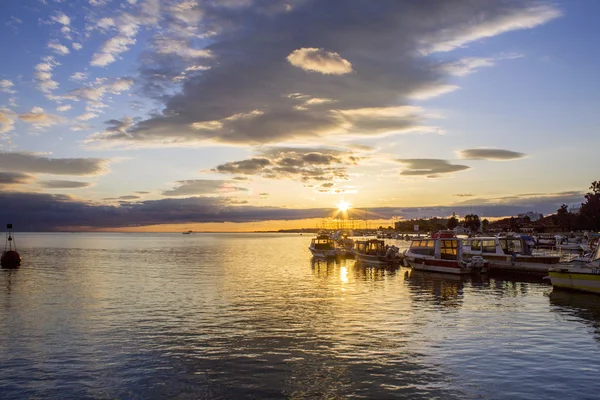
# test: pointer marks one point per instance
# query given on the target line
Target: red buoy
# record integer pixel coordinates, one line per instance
(10, 259)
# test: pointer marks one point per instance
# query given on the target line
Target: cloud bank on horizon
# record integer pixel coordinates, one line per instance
(250, 110)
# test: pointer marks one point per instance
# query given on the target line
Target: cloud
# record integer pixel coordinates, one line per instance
(463, 195)
(58, 48)
(319, 60)
(495, 20)
(127, 26)
(66, 107)
(61, 18)
(490, 154)
(202, 187)
(39, 119)
(468, 65)
(76, 46)
(251, 71)
(78, 77)
(61, 184)
(7, 120)
(12, 178)
(429, 167)
(47, 212)
(6, 86)
(303, 164)
(43, 75)
(38, 163)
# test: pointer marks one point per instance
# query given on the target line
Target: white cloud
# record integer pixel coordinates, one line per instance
(6, 86)
(61, 18)
(112, 48)
(39, 119)
(64, 108)
(468, 65)
(319, 60)
(76, 46)
(78, 77)
(43, 75)
(7, 120)
(481, 28)
(58, 48)
(87, 116)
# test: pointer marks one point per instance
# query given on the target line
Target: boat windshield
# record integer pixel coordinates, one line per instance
(510, 246)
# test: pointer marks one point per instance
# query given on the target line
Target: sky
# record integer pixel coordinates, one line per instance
(169, 115)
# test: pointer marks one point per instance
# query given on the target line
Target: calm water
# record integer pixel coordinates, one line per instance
(151, 316)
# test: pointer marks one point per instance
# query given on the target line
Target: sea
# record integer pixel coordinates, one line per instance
(253, 316)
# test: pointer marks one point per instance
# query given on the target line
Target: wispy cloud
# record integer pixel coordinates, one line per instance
(490, 154)
(429, 167)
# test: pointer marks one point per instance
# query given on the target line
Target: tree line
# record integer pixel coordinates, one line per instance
(588, 217)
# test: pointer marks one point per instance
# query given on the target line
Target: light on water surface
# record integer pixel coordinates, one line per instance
(254, 316)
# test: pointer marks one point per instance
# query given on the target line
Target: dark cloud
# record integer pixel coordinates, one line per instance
(129, 197)
(343, 75)
(37, 163)
(40, 211)
(202, 187)
(490, 154)
(251, 166)
(429, 167)
(141, 192)
(304, 164)
(15, 178)
(327, 185)
(463, 195)
(58, 184)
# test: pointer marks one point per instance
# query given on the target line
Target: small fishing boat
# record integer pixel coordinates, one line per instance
(582, 276)
(375, 252)
(509, 253)
(441, 253)
(323, 246)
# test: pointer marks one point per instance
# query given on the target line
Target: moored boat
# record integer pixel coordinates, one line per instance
(375, 252)
(323, 246)
(509, 254)
(442, 254)
(582, 276)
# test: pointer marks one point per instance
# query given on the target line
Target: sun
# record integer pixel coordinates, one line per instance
(343, 206)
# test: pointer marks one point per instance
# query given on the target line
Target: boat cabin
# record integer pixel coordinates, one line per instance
(322, 242)
(500, 245)
(445, 249)
(373, 246)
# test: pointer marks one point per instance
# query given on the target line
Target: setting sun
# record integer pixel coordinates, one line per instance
(343, 206)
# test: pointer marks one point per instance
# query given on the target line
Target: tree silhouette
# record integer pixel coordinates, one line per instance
(590, 210)
(452, 221)
(472, 222)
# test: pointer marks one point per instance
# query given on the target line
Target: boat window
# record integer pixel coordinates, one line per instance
(449, 249)
(476, 245)
(423, 247)
(488, 246)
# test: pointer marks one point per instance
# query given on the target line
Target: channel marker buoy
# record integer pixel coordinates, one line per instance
(10, 257)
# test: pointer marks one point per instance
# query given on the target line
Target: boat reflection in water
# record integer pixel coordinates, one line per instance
(583, 306)
(347, 270)
(441, 289)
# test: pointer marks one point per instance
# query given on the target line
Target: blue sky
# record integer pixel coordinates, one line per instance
(200, 111)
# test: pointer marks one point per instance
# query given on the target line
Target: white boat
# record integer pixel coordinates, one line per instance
(323, 246)
(510, 253)
(442, 254)
(582, 276)
(375, 252)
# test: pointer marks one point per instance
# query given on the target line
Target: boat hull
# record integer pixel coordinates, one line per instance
(323, 253)
(376, 260)
(584, 280)
(437, 265)
(530, 264)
